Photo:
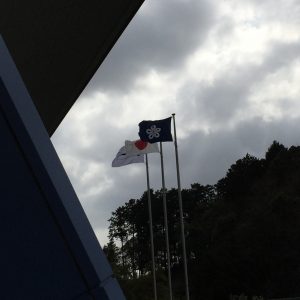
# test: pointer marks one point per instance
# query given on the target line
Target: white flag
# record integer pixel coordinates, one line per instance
(140, 147)
(123, 159)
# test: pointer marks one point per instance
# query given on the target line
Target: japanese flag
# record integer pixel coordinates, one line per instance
(123, 159)
(140, 147)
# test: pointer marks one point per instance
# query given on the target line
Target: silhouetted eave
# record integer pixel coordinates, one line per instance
(58, 46)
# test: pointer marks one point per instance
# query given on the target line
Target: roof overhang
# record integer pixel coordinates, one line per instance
(58, 46)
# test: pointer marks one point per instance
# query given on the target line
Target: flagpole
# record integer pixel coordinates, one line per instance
(181, 215)
(166, 220)
(151, 230)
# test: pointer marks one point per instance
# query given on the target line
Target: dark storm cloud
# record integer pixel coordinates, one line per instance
(162, 37)
(204, 158)
(159, 39)
(125, 187)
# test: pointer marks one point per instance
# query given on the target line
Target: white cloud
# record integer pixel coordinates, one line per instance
(228, 69)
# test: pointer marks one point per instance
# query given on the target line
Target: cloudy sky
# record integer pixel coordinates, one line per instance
(229, 69)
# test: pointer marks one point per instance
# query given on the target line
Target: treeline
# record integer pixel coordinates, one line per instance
(242, 234)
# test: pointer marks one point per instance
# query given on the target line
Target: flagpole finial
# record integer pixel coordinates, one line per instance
(173, 114)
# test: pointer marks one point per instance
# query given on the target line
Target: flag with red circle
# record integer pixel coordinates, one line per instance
(140, 147)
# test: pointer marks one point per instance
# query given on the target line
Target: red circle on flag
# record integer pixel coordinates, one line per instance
(140, 144)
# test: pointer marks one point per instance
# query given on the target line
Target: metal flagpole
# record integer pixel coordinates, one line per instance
(151, 230)
(166, 220)
(181, 215)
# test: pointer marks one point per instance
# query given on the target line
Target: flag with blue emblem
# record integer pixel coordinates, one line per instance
(156, 131)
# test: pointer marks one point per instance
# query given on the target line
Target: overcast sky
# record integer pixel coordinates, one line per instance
(229, 69)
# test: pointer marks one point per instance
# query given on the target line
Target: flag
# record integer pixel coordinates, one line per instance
(123, 159)
(140, 147)
(156, 131)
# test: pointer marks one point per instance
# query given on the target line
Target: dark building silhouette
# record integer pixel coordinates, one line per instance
(49, 50)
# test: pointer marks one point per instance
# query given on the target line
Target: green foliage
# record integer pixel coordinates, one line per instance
(275, 150)
(241, 234)
(141, 288)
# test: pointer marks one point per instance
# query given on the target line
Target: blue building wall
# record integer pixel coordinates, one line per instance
(48, 248)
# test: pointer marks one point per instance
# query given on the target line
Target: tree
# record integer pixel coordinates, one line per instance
(274, 150)
(242, 235)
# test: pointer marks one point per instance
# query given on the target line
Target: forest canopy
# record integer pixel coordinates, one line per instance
(242, 234)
